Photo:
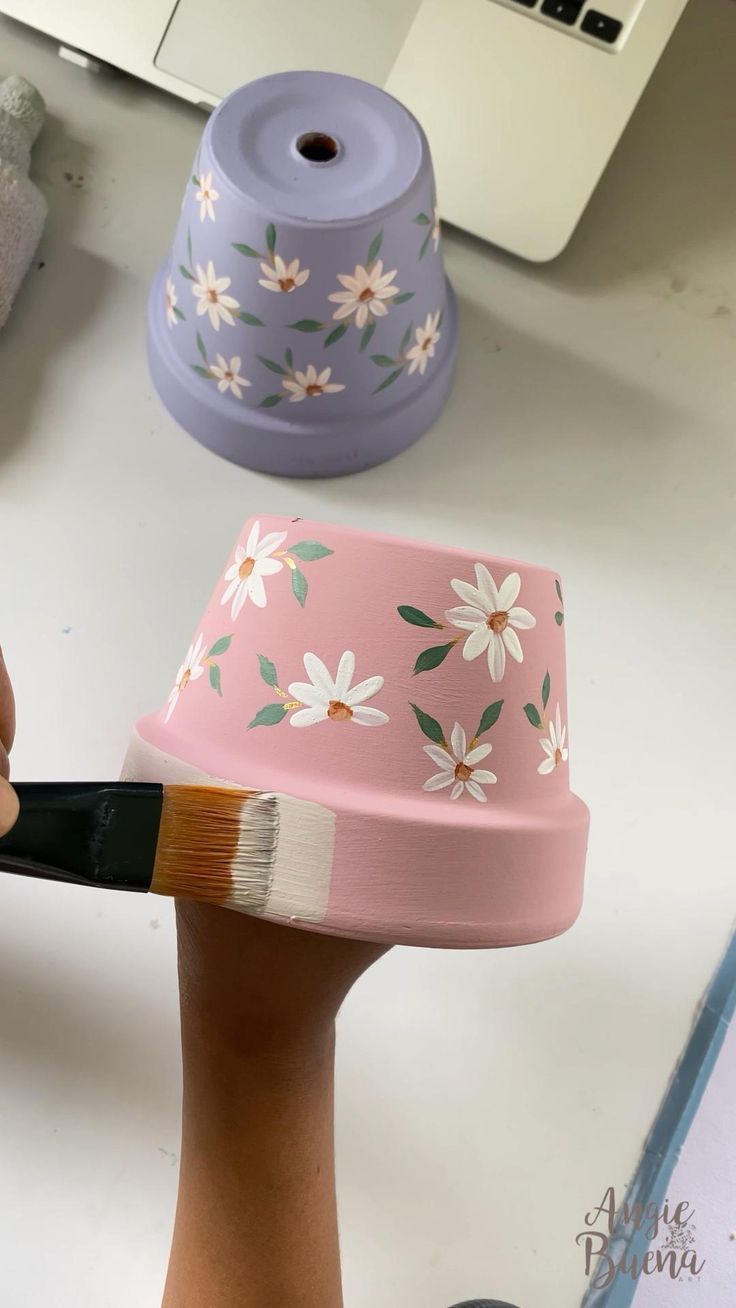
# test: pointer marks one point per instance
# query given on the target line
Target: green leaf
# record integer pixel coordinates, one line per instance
(215, 682)
(272, 365)
(299, 585)
(430, 726)
(489, 717)
(220, 646)
(201, 347)
(306, 325)
(532, 712)
(559, 618)
(268, 671)
(271, 238)
(195, 180)
(289, 359)
(423, 219)
(558, 588)
(406, 338)
(270, 401)
(336, 333)
(545, 689)
(189, 246)
(202, 372)
(247, 250)
(250, 319)
(402, 299)
(389, 380)
(431, 658)
(185, 272)
(178, 314)
(268, 716)
(308, 550)
(425, 244)
(368, 331)
(374, 248)
(383, 360)
(416, 617)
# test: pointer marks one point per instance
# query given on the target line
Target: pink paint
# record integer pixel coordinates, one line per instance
(502, 862)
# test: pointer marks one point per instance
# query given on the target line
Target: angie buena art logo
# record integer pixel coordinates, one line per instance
(669, 1232)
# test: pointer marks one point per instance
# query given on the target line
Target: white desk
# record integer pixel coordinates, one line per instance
(485, 1101)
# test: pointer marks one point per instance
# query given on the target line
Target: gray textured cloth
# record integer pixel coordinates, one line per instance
(22, 206)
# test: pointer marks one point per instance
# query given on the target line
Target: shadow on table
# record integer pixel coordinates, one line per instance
(61, 292)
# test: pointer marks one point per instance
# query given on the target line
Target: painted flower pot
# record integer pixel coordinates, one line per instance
(302, 323)
(416, 696)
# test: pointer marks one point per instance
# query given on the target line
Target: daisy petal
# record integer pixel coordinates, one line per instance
(308, 716)
(440, 757)
(508, 591)
(476, 791)
(234, 583)
(548, 746)
(439, 781)
(467, 616)
(369, 717)
(496, 657)
(270, 542)
(457, 790)
(522, 619)
(268, 567)
(251, 544)
(547, 765)
(483, 777)
(257, 590)
(513, 644)
(319, 676)
(458, 741)
(477, 642)
(241, 596)
(472, 596)
(487, 587)
(345, 672)
(477, 755)
(363, 691)
(308, 694)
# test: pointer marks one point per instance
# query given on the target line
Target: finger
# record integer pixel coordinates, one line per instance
(8, 806)
(7, 707)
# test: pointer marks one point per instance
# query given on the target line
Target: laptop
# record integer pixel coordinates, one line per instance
(523, 101)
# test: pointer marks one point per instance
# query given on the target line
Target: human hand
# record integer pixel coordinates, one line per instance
(8, 797)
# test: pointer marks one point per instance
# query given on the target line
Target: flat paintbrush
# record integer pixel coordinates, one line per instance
(212, 843)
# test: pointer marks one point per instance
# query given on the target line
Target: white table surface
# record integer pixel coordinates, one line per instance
(485, 1100)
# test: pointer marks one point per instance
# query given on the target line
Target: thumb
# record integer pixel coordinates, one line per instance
(8, 806)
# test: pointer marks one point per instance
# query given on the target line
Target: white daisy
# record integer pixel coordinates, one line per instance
(207, 196)
(190, 670)
(436, 226)
(252, 563)
(208, 290)
(555, 750)
(334, 701)
(282, 276)
(228, 375)
(491, 617)
(171, 302)
(426, 339)
(366, 292)
(311, 383)
(458, 767)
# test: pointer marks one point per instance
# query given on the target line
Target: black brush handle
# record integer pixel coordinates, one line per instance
(89, 833)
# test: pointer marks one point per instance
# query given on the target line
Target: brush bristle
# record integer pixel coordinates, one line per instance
(216, 843)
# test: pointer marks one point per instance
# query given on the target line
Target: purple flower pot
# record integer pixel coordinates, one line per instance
(303, 324)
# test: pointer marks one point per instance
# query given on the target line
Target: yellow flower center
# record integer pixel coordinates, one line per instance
(498, 622)
(313, 389)
(463, 772)
(228, 375)
(426, 342)
(558, 757)
(246, 568)
(185, 678)
(212, 295)
(338, 712)
(287, 283)
(367, 294)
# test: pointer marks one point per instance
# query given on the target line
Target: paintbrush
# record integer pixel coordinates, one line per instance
(216, 844)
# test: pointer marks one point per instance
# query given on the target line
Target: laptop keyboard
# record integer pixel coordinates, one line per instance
(572, 16)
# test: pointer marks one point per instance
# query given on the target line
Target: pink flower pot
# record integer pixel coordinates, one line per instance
(414, 694)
